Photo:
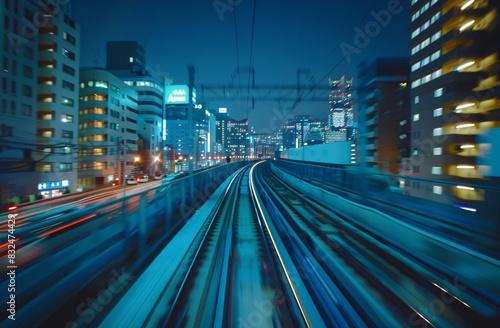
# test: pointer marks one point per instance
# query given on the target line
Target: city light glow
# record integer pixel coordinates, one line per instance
(468, 125)
(465, 65)
(465, 106)
(466, 25)
(467, 4)
(470, 209)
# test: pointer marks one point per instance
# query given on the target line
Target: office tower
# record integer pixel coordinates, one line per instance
(179, 133)
(126, 60)
(236, 137)
(107, 129)
(221, 119)
(150, 103)
(454, 94)
(316, 134)
(341, 114)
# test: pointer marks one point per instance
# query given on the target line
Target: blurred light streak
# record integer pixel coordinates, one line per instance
(470, 209)
(15, 241)
(66, 226)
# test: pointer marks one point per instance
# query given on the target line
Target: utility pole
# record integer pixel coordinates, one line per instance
(120, 166)
(191, 129)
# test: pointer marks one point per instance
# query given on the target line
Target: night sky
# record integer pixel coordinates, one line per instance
(288, 35)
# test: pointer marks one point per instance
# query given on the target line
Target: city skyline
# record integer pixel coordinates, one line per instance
(247, 163)
(306, 37)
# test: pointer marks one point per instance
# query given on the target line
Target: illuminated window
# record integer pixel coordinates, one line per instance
(67, 101)
(66, 118)
(47, 133)
(416, 117)
(437, 151)
(436, 170)
(131, 59)
(438, 92)
(437, 190)
(417, 99)
(101, 84)
(437, 132)
(438, 112)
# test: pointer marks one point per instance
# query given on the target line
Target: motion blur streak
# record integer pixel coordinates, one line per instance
(9, 243)
(68, 225)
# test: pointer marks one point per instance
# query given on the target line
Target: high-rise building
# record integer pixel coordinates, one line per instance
(58, 78)
(108, 127)
(316, 134)
(236, 137)
(288, 135)
(39, 100)
(18, 98)
(126, 60)
(221, 119)
(150, 108)
(341, 114)
(179, 133)
(454, 95)
(382, 102)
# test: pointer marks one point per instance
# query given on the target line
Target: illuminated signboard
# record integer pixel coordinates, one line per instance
(177, 94)
(222, 110)
(53, 185)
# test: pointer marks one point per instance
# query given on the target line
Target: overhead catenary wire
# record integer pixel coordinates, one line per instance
(251, 53)
(314, 86)
(237, 52)
(362, 19)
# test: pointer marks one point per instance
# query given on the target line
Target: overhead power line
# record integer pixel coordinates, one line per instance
(251, 53)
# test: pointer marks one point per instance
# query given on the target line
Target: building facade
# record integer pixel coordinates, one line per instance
(382, 98)
(38, 101)
(236, 145)
(126, 60)
(341, 110)
(454, 94)
(107, 129)
(18, 117)
(58, 77)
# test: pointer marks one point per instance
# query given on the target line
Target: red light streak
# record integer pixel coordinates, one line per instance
(15, 241)
(66, 226)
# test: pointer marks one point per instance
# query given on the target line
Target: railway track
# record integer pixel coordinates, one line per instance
(381, 285)
(233, 279)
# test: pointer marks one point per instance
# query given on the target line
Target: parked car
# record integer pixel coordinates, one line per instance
(131, 180)
(143, 178)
